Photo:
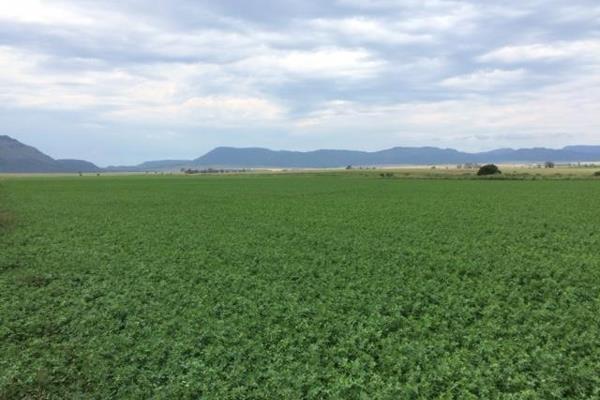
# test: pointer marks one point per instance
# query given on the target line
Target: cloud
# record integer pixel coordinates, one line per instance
(301, 74)
(485, 79)
(23, 84)
(39, 11)
(579, 13)
(205, 111)
(413, 5)
(360, 29)
(567, 107)
(320, 63)
(578, 50)
(158, 93)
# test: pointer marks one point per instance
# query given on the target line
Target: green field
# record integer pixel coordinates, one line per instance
(322, 286)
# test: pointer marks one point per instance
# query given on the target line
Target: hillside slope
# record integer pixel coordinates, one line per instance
(18, 157)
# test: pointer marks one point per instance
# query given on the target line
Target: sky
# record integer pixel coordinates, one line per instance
(124, 81)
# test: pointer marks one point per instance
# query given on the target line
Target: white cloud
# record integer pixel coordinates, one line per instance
(363, 67)
(362, 29)
(583, 49)
(44, 12)
(218, 111)
(405, 4)
(157, 92)
(485, 79)
(406, 21)
(579, 13)
(566, 107)
(22, 83)
(314, 64)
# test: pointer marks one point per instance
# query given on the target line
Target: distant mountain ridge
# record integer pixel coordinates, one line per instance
(17, 157)
(257, 157)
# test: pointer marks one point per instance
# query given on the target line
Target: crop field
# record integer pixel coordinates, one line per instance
(300, 286)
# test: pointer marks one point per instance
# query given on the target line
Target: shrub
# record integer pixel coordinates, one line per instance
(488, 169)
(597, 173)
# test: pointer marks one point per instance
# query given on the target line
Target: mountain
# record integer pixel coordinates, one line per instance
(77, 166)
(583, 149)
(159, 165)
(540, 154)
(18, 157)
(163, 164)
(259, 157)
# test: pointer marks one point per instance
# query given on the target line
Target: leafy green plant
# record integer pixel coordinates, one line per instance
(313, 286)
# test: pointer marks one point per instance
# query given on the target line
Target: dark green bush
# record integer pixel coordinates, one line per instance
(489, 169)
(597, 173)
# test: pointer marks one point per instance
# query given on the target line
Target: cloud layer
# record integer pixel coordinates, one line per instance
(125, 81)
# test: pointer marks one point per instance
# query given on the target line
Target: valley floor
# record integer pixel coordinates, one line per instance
(317, 286)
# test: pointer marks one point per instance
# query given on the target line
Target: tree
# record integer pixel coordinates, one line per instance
(549, 164)
(489, 169)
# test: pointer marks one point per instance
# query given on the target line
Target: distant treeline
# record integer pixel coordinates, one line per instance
(190, 171)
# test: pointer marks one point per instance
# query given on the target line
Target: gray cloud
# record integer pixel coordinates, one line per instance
(144, 77)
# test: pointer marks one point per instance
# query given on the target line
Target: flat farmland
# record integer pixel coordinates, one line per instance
(303, 286)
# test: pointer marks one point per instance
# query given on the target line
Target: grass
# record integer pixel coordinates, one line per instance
(6, 217)
(315, 286)
(509, 172)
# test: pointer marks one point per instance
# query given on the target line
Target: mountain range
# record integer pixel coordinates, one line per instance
(18, 157)
(231, 157)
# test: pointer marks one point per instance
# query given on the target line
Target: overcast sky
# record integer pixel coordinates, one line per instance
(124, 81)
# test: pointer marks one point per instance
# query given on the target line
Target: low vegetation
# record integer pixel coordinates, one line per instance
(313, 286)
(5, 216)
(190, 171)
(5, 219)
